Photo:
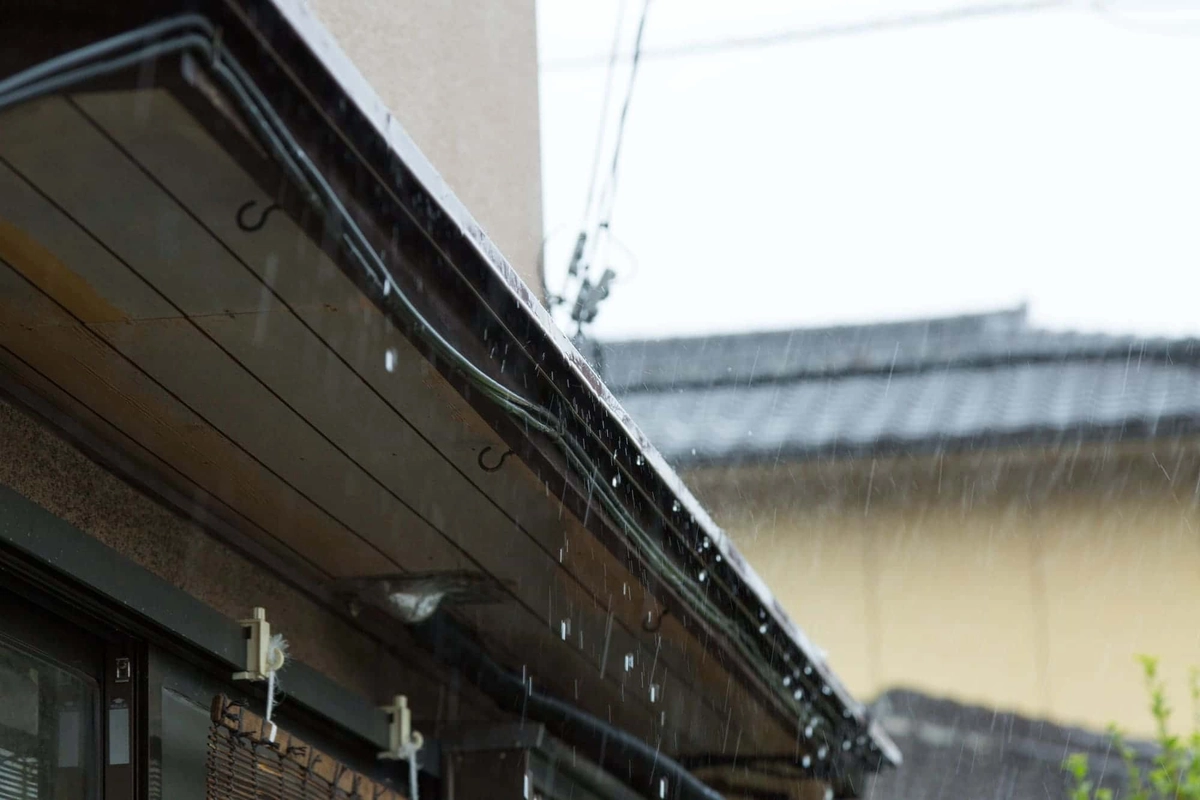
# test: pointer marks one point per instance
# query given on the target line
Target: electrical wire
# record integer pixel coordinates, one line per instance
(581, 239)
(608, 82)
(193, 32)
(587, 241)
(1118, 20)
(297, 163)
(643, 768)
(883, 25)
(590, 240)
(609, 192)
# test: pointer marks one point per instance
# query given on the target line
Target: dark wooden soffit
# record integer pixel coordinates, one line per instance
(442, 261)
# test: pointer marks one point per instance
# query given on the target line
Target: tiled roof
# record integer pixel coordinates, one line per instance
(971, 381)
(960, 751)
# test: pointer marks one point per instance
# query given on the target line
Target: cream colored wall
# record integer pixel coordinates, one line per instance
(462, 79)
(1025, 583)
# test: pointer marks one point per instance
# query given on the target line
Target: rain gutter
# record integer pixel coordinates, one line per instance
(471, 296)
(501, 311)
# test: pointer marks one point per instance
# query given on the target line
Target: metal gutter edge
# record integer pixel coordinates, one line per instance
(321, 44)
(62, 548)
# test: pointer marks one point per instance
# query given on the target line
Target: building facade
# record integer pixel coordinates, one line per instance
(971, 508)
(263, 374)
(462, 79)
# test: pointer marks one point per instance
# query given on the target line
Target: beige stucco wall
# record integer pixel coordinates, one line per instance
(462, 78)
(1023, 582)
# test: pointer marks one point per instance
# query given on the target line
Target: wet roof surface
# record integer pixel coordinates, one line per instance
(957, 750)
(971, 381)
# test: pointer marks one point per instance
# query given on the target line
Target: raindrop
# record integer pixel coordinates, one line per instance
(808, 732)
(821, 753)
(806, 761)
(654, 690)
(825, 690)
(565, 628)
(389, 359)
(662, 787)
(616, 481)
(640, 460)
(798, 694)
(703, 576)
(675, 506)
(787, 680)
(845, 744)
(628, 661)
(718, 558)
(807, 669)
(829, 794)
(762, 628)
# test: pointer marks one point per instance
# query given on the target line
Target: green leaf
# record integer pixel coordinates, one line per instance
(1077, 765)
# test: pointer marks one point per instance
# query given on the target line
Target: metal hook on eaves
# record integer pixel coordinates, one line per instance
(499, 462)
(250, 227)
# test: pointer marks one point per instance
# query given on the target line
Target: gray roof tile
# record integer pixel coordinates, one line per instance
(967, 381)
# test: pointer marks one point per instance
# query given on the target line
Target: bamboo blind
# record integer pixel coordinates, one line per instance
(243, 764)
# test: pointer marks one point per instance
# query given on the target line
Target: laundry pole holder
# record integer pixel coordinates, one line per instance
(261, 658)
(265, 656)
(403, 741)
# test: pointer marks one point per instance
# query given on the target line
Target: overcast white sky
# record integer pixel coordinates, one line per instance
(1051, 157)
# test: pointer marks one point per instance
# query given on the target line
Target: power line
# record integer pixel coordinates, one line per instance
(611, 189)
(608, 81)
(1119, 20)
(882, 25)
(589, 295)
(577, 253)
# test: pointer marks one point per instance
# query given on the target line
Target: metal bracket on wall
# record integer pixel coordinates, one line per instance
(258, 645)
(53, 546)
(403, 741)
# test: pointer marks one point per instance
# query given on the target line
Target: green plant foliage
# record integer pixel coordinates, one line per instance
(1173, 774)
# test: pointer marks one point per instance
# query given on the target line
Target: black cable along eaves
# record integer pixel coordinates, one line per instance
(762, 652)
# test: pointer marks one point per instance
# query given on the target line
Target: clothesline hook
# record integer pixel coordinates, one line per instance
(494, 467)
(262, 219)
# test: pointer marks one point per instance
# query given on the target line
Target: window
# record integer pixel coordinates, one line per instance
(47, 728)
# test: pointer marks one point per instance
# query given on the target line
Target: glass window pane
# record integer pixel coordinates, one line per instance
(47, 730)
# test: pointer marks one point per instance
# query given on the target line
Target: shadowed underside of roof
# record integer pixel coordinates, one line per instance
(964, 382)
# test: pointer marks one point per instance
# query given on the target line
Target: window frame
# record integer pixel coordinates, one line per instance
(29, 628)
